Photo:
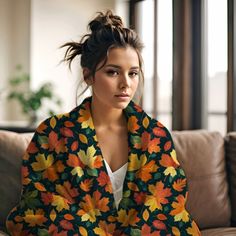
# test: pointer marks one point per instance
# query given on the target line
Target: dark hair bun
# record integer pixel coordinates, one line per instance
(107, 20)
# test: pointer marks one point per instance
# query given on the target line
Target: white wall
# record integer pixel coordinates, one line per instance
(14, 48)
(53, 23)
(31, 33)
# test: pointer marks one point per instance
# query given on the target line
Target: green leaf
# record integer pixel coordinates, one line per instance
(92, 172)
(126, 203)
(135, 232)
(126, 193)
(43, 232)
(42, 139)
(181, 172)
(135, 140)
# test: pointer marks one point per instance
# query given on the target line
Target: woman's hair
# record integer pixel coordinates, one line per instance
(106, 31)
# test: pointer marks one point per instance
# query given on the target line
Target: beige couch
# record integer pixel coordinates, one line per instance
(209, 161)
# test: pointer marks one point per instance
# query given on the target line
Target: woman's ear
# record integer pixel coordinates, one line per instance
(87, 76)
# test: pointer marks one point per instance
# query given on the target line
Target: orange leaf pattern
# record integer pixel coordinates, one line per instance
(67, 189)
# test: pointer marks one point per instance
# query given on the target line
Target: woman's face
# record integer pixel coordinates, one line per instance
(114, 85)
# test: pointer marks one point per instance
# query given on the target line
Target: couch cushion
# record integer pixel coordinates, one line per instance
(228, 231)
(201, 155)
(231, 166)
(12, 147)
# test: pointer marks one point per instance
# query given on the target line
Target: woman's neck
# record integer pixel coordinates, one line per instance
(106, 116)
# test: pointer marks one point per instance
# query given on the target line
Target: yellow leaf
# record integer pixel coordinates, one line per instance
(83, 231)
(60, 203)
(145, 215)
(34, 218)
(77, 171)
(88, 158)
(53, 122)
(170, 171)
(173, 155)
(40, 187)
(53, 215)
(91, 216)
(145, 122)
(184, 216)
(42, 163)
(99, 231)
(83, 138)
(135, 163)
(91, 151)
(175, 231)
(128, 219)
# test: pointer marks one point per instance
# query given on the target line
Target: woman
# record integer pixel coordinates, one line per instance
(106, 167)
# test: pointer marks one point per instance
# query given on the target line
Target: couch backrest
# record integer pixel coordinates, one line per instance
(12, 148)
(231, 166)
(201, 155)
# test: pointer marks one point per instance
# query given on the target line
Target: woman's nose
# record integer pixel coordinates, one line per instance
(125, 81)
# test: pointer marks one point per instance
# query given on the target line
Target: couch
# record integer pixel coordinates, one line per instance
(208, 159)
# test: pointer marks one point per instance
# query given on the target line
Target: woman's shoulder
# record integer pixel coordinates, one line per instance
(67, 119)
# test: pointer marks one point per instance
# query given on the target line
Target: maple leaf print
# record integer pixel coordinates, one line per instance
(104, 229)
(179, 185)
(146, 137)
(36, 218)
(133, 124)
(91, 207)
(67, 191)
(144, 168)
(170, 164)
(153, 146)
(146, 231)
(158, 197)
(42, 162)
(56, 144)
(174, 157)
(179, 211)
(144, 173)
(104, 180)
(194, 230)
(65, 224)
(86, 185)
(129, 218)
(85, 119)
(135, 163)
(88, 158)
(74, 161)
(60, 203)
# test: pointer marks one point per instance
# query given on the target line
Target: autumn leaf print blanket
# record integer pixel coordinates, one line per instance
(67, 190)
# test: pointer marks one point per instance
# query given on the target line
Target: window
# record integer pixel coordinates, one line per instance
(217, 64)
(155, 25)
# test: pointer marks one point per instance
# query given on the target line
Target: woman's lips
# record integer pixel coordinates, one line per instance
(122, 96)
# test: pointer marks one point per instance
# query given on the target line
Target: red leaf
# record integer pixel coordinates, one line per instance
(74, 146)
(159, 132)
(167, 145)
(66, 225)
(66, 132)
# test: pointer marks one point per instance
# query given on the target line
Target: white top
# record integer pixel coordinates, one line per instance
(117, 180)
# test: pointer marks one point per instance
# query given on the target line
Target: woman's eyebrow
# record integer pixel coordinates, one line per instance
(113, 65)
(119, 67)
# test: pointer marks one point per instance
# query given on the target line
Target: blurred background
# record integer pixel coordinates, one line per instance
(189, 59)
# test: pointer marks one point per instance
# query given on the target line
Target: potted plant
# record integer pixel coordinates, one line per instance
(31, 101)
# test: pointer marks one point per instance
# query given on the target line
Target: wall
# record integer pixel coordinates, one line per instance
(32, 33)
(14, 48)
(53, 23)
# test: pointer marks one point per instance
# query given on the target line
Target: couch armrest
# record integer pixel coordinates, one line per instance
(12, 148)
(230, 148)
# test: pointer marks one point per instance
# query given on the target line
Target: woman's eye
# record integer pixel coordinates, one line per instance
(133, 74)
(112, 73)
